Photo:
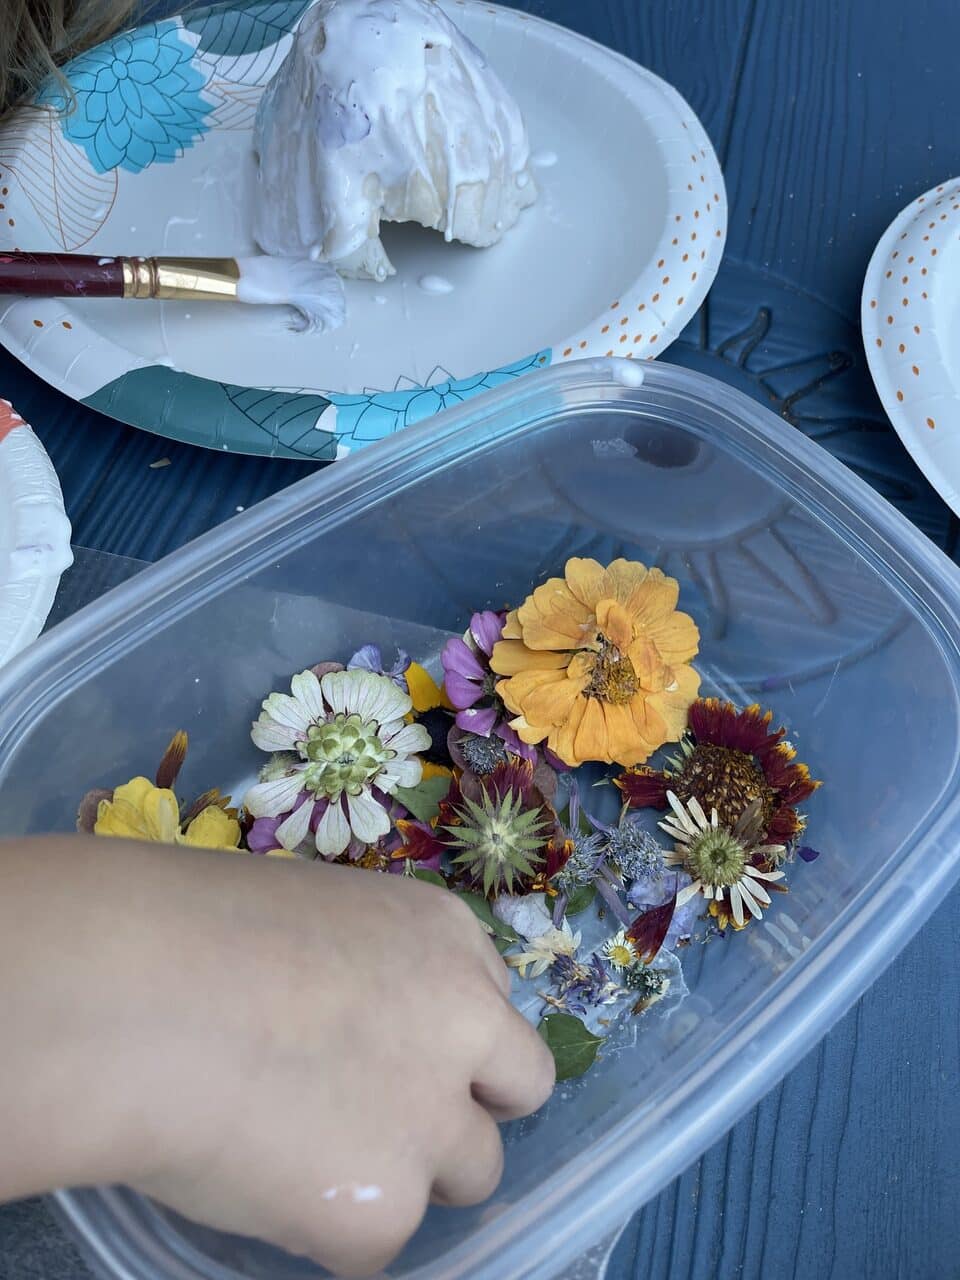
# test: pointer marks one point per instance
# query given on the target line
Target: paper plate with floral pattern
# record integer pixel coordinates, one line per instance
(613, 259)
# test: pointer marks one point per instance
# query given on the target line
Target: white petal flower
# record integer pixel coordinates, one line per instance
(292, 832)
(306, 689)
(720, 859)
(350, 737)
(270, 799)
(368, 819)
(333, 831)
(541, 952)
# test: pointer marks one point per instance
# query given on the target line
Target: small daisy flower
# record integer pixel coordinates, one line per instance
(721, 861)
(619, 951)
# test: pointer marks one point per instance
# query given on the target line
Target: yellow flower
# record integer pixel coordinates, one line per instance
(425, 693)
(141, 811)
(431, 770)
(597, 663)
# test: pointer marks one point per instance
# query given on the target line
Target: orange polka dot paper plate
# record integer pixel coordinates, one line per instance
(910, 315)
(34, 534)
(614, 257)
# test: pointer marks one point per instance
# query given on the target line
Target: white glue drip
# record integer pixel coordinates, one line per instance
(379, 299)
(182, 222)
(435, 284)
(383, 110)
(104, 262)
(626, 372)
(544, 159)
(313, 289)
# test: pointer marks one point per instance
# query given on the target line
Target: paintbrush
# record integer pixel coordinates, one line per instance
(312, 289)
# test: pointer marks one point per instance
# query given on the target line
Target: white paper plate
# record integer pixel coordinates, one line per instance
(910, 314)
(34, 534)
(615, 257)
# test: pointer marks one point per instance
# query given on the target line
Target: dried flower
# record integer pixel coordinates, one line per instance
(597, 663)
(635, 853)
(353, 750)
(499, 838)
(619, 951)
(648, 984)
(580, 988)
(470, 685)
(476, 754)
(729, 759)
(541, 952)
(369, 658)
(141, 811)
(722, 861)
(583, 865)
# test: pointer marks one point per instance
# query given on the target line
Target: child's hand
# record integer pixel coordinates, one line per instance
(306, 1053)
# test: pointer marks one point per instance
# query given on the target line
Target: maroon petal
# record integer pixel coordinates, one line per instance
(420, 842)
(169, 768)
(644, 788)
(325, 668)
(649, 930)
(456, 657)
(486, 628)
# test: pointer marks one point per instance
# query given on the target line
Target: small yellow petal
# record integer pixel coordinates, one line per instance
(431, 770)
(424, 690)
(213, 829)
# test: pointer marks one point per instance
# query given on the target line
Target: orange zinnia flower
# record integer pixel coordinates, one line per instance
(597, 663)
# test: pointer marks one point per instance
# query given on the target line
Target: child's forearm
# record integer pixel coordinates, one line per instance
(75, 991)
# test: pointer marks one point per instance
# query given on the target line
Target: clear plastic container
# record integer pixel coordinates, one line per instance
(813, 596)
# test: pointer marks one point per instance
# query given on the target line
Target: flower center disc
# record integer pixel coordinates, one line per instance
(344, 753)
(726, 780)
(717, 857)
(613, 678)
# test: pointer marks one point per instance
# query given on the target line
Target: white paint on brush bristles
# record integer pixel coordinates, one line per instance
(312, 289)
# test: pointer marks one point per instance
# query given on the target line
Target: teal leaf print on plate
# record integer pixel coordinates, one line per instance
(138, 99)
(362, 419)
(225, 29)
(278, 424)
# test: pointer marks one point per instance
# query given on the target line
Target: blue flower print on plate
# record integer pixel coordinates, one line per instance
(362, 419)
(137, 99)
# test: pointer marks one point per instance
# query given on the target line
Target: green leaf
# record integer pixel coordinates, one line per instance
(431, 877)
(243, 29)
(423, 800)
(574, 1048)
(482, 910)
(580, 900)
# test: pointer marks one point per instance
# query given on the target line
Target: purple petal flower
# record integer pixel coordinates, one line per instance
(512, 742)
(262, 836)
(369, 658)
(476, 719)
(459, 658)
(486, 629)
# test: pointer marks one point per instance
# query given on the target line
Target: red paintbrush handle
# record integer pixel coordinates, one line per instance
(55, 275)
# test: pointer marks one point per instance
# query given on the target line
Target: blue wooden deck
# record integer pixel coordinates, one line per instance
(829, 116)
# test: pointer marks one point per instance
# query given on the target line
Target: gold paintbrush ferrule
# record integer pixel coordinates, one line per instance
(181, 278)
